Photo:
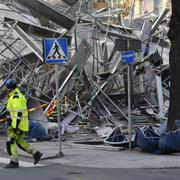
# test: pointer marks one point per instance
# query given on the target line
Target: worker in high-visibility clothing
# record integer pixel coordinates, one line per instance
(17, 125)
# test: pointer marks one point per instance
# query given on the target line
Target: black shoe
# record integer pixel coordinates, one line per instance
(12, 164)
(37, 157)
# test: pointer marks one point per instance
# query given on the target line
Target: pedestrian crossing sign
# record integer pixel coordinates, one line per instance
(55, 50)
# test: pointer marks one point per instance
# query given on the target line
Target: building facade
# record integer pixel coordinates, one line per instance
(141, 6)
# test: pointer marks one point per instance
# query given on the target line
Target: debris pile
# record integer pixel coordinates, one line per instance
(93, 86)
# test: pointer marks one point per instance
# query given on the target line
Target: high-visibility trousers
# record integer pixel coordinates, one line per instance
(16, 138)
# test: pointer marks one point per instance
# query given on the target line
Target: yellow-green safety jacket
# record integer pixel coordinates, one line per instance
(17, 103)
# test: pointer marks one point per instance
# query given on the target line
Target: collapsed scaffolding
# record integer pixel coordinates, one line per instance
(93, 85)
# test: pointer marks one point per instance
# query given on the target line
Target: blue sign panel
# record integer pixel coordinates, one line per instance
(55, 50)
(128, 57)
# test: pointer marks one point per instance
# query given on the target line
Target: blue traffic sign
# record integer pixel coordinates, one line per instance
(128, 57)
(55, 50)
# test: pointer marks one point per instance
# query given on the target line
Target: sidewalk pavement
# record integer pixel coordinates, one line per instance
(104, 156)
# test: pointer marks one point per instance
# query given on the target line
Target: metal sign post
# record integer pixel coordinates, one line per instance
(60, 153)
(128, 58)
(129, 107)
(56, 52)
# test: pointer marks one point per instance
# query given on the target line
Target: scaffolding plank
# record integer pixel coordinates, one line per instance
(36, 30)
(27, 40)
(70, 2)
(45, 9)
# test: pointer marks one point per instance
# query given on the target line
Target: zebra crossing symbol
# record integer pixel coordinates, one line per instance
(55, 51)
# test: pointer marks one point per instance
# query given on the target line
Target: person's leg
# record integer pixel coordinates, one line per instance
(22, 144)
(11, 148)
(25, 146)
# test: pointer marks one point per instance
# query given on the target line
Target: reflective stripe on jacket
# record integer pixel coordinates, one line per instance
(17, 103)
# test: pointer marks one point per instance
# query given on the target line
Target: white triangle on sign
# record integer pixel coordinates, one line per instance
(56, 52)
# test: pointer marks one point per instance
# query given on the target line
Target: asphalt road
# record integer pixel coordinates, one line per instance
(50, 171)
(47, 170)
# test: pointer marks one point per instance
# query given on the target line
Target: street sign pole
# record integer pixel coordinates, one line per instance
(129, 105)
(60, 153)
(128, 58)
(129, 98)
(56, 52)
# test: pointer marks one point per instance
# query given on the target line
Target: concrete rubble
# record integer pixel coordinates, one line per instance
(93, 86)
